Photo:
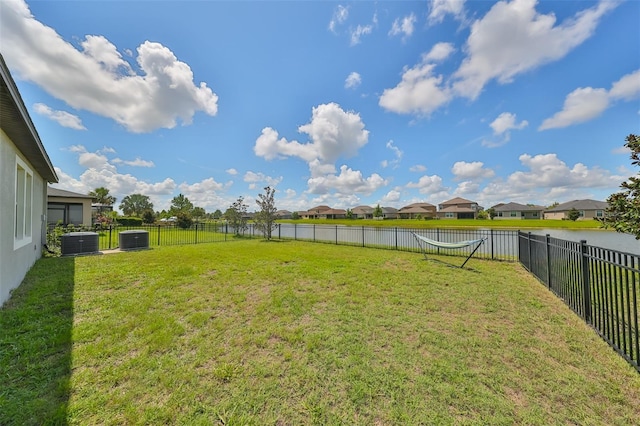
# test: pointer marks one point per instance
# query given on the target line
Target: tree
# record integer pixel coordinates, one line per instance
(101, 195)
(236, 215)
(573, 214)
(492, 213)
(349, 214)
(295, 215)
(183, 220)
(483, 215)
(148, 216)
(135, 205)
(217, 214)
(623, 213)
(198, 213)
(265, 218)
(180, 203)
(377, 211)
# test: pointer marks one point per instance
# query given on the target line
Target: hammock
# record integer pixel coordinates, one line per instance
(440, 244)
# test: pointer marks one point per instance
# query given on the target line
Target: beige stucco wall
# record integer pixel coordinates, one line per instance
(15, 262)
(86, 206)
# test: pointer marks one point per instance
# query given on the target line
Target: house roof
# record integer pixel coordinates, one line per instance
(55, 192)
(457, 200)
(362, 209)
(422, 206)
(510, 207)
(16, 123)
(334, 211)
(389, 210)
(580, 205)
(457, 209)
(417, 209)
(319, 209)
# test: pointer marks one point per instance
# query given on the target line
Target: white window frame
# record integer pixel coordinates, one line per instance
(23, 206)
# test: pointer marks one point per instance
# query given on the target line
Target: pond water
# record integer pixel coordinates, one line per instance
(594, 237)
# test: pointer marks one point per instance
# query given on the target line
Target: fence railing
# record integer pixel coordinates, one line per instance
(600, 285)
(499, 244)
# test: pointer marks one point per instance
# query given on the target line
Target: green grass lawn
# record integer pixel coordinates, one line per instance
(294, 333)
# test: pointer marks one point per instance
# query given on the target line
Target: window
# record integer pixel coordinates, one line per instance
(581, 213)
(449, 215)
(514, 214)
(599, 213)
(24, 205)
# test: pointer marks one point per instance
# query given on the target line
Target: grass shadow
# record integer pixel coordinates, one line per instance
(35, 346)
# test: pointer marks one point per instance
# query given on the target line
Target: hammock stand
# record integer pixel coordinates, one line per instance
(439, 244)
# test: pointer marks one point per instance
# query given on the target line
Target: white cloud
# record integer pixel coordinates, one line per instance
(334, 133)
(428, 184)
(348, 182)
(138, 162)
(359, 32)
(397, 154)
(627, 88)
(391, 197)
(473, 171)
(581, 105)
(63, 118)
(353, 80)
(404, 26)
(420, 91)
(232, 171)
(255, 178)
(418, 168)
(98, 79)
(438, 9)
(505, 122)
(513, 38)
(339, 16)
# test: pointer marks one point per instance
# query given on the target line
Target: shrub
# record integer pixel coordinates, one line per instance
(129, 221)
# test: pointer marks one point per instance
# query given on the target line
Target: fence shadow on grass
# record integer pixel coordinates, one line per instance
(35, 346)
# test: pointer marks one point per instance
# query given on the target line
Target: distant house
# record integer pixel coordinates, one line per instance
(313, 213)
(68, 208)
(25, 170)
(421, 210)
(588, 209)
(362, 212)
(518, 211)
(458, 208)
(389, 213)
(284, 214)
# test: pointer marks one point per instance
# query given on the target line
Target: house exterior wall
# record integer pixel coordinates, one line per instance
(16, 259)
(518, 215)
(86, 206)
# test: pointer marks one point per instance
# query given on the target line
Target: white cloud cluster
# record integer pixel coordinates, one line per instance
(587, 103)
(502, 127)
(420, 91)
(340, 15)
(334, 133)
(348, 182)
(438, 9)
(63, 118)
(404, 26)
(513, 38)
(475, 170)
(253, 179)
(510, 39)
(138, 162)
(397, 154)
(353, 80)
(98, 79)
(358, 32)
(428, 185)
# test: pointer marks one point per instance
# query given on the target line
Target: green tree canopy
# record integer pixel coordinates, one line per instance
(181, 204)
(101, 195)
(236, 215)
(573, 214)
(265, 218)
(135, 205)
(623, 213)
(377, 211)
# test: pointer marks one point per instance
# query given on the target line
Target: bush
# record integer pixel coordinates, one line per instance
(129, 221)
(184, 220)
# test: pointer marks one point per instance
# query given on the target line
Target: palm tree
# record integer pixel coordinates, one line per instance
(101, 195)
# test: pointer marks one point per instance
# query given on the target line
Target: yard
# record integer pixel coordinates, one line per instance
(255, 332)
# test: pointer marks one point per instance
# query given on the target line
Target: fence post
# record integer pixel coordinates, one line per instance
(336, 234)
(279, 228)
(586, 287)
(529, 251)
(547, 252)
(109, 236)
(396, 229)
(314, 232)
(196, 233)
(363, 236)
(158, 235)
(226, 230)
(295, 231)
(491, 234)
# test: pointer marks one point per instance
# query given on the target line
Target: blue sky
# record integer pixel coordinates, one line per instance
(336, 103)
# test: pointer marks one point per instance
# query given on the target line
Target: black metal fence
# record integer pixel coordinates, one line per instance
(600, 285)
(499, 244)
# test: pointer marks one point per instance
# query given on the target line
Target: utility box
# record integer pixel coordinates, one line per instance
(74, 243)
(134, 240)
